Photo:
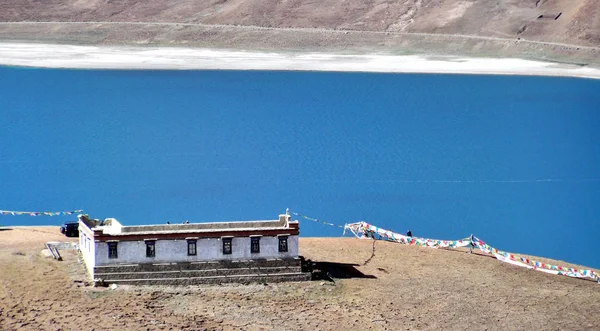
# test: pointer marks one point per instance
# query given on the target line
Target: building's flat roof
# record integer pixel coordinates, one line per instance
(174, 231)
(114, 228)
(208, 227)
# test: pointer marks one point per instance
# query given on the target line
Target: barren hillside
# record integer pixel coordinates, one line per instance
(578, 24)
(558, 30)
(396, 288)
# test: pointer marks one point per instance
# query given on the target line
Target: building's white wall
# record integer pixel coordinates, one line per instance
(208, 249)
(88, 251)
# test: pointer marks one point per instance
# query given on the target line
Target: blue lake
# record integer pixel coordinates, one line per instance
(514, 160)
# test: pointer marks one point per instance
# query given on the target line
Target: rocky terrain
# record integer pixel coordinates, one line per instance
(376, 286)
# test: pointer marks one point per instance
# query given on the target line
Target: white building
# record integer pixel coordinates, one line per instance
(108, 244)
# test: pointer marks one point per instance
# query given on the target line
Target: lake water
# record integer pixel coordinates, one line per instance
(513, 160)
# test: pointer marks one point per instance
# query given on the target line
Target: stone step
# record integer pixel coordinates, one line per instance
(197, 273)
(254, 278)
(202, 265)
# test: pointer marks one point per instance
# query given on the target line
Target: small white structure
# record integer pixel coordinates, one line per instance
(108, 243)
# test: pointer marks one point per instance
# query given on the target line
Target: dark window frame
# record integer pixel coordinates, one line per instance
(227, 246)
(254, 245)
(192, 249)
(283, 244)
(113, 251)
(150, 248)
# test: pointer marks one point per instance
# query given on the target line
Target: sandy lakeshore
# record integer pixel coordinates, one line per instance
(132, 57)
(381, 286)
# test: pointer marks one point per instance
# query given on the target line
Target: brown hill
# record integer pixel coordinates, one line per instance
(559, 30)
(397, 288)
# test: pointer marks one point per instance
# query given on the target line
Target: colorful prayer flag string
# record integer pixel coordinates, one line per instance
(39, 213)
(366, 230)
(536, 265)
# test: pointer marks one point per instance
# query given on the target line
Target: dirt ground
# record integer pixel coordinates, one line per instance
(396, 288)
(529, 29)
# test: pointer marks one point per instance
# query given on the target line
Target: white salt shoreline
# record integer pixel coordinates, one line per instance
(180, 58)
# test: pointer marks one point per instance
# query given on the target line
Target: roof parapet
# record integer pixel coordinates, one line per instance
(111, 226)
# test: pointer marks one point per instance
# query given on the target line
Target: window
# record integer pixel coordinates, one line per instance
(226, 245)
(112, 250)
(150, 248)
(191, 247)
(255, 245)
(283, 246)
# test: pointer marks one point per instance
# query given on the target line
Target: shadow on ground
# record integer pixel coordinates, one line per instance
(5, 229)
(335, 270)
(467, 252)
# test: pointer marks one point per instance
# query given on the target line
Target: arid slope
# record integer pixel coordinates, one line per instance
(396, 288)
(578, 24)
(523, 28)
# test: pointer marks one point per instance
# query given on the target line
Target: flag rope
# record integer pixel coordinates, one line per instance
(365, 230)
(316, 220)
(39, 213)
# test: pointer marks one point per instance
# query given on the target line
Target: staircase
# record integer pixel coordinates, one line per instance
(207, 272)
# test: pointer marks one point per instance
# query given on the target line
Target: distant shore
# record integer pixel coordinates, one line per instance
(180, 58)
